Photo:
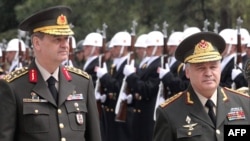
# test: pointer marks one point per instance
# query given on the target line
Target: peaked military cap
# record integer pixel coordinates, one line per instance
(200, 47)
(53, 20)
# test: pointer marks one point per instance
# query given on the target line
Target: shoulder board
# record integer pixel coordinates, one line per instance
(171, 99)
(15, 74)
(237, 92)
(77, 71)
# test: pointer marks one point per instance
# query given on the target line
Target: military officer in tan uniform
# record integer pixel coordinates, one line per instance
(48, 101)
(200, 112)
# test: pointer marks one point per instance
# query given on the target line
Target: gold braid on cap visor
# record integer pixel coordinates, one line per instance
(203, 52)
(62, 27)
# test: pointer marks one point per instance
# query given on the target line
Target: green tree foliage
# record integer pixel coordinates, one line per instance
(89, 15)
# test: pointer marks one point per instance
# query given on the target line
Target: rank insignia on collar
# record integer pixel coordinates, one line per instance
(236, 113)
(33, 75)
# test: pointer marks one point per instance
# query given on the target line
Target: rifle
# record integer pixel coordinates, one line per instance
(121, 106)
(165, 48)
(162, 91)
(98, 87)
(20, 54)
(239, 50)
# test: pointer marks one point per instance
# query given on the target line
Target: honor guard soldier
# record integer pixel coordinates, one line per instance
(172, 75)
(245, 39)
(231, 76)
(144, 87)
(78, 60)
(140, 50)
(91, 48)
(14, 54)
(112, 83)
(200, 112)
(72, 46)
(49, 101)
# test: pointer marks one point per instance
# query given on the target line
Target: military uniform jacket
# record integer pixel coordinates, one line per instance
(111, 84)
(226, 80)
(173, 82)
(30, 113)
(179, 114)
(145, 84)
(90, 69)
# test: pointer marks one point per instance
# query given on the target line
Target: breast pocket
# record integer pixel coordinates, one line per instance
(186, 133)
(36, 117)
(76, 111)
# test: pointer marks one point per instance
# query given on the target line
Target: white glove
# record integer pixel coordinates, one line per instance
(240, 65)
(101, 71)
(97, 96)
(128, 69)
(163, 72)
(123, 96)
(129, 98)
(103, 98)
(235, 73)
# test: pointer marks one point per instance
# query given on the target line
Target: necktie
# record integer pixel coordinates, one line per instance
(51, 84)
(211, 113)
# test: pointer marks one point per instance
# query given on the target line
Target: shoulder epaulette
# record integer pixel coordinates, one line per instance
(77, 71)
(171, 99)
(16, 74)
(237, 92)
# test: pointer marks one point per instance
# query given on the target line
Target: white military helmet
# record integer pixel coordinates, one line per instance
(245, 36)
(122, 38)
(175, 38)
(190, 31)
(155, 38)
(13, 45)
(73, 41)
(93, 39)
(229, 35)
(141, 41)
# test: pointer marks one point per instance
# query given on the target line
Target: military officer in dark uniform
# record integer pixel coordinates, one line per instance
(49, 101)
(112, 82)
(92, 46)
(144, 87)
(185, 115)
(172, 76)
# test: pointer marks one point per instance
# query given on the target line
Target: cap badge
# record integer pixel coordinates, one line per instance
(62, 20)
(202, 47)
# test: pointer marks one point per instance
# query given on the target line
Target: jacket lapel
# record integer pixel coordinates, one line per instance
(42, 89)
(196, 108)
(223, 107)
(66, 88)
